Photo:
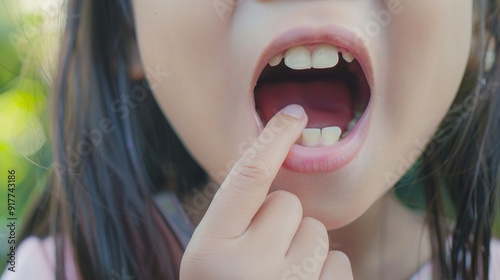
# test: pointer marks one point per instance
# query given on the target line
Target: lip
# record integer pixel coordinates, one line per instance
(324, 159)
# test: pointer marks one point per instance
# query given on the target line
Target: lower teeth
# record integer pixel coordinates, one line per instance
(327, 136)
(314, 137)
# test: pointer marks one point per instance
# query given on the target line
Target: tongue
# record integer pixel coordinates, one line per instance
(326, 103)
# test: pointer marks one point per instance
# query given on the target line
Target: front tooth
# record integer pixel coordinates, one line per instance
(331, 135)
(276, 60)
(324, 56)
(298, 58)
(311, 137)
(347, 56)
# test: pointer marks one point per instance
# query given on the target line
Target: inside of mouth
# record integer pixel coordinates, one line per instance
(335, 96)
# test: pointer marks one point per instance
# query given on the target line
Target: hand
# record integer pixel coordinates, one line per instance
(247, 234)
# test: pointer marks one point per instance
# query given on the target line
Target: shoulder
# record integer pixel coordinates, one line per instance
(35, 259)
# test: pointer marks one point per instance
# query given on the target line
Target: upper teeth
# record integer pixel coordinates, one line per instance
(348, 56)
(324, 56)
(299, 57)
(276, 60)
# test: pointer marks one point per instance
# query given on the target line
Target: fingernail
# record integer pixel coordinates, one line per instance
(295, 111)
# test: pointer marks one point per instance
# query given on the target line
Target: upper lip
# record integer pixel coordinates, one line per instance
(341, 37)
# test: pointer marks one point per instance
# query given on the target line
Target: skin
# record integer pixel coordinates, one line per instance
(418, 57)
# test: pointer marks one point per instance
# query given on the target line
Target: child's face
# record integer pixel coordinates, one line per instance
(413, 54)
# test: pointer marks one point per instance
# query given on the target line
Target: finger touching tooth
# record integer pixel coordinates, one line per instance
(331, 135)
(311, 137)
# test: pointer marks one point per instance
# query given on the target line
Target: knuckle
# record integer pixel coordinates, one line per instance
(315, 226)
(281, 124)
(341, 259)
(208, 263)
(250, 174)
(337, 265)
(256, 169)
(286, 130)
(194, 261)
(287, 200)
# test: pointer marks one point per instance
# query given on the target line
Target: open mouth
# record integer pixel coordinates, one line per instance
(326, 80)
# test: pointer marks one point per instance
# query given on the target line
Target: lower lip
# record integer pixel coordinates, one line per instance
(325, 159)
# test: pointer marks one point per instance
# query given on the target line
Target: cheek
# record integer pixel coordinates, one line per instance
(428, 48)
(186, 41)
(202, 96)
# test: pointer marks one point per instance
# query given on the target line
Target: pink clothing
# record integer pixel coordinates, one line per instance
(35, 257)
(425, 272)
(35, 260)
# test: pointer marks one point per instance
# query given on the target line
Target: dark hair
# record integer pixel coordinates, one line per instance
(100, 195)
(461, 163)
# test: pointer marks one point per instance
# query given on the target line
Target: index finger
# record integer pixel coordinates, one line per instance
(245, 188)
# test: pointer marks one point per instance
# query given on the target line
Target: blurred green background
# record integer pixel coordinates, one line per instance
(29, 36)
(29, 32)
